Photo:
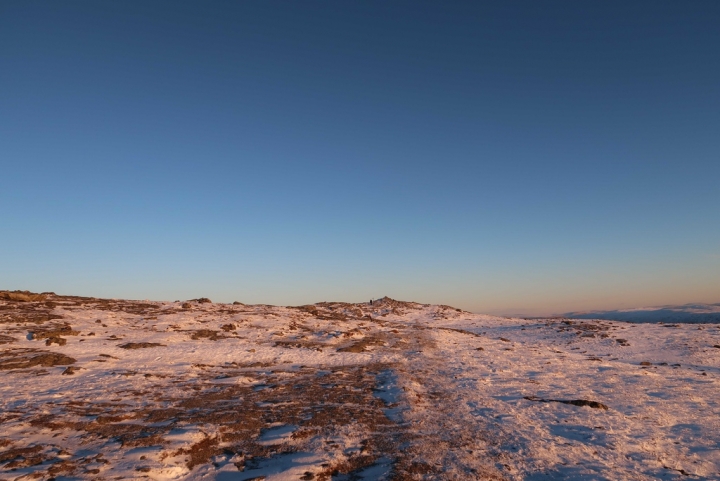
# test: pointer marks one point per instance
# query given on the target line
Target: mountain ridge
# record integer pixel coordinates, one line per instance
(686, 313)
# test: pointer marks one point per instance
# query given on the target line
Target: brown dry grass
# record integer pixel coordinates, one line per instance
(316, 404)
(362, 345)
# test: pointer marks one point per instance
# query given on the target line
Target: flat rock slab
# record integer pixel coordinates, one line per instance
(140, 345)
(574, 402)
(25, 360)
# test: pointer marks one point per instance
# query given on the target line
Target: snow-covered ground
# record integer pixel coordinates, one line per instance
(113, 389)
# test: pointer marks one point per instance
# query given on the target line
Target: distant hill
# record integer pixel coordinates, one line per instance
(688, 313)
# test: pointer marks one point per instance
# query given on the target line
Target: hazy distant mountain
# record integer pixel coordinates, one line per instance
(688, 313)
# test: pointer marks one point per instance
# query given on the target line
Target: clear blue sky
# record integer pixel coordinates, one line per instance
(504, 157)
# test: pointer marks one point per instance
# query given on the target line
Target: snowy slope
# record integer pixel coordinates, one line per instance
(396, 390)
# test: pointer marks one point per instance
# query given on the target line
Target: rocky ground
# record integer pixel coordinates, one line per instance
(116, 389)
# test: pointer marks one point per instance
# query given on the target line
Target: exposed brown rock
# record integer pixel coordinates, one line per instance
(202, 300)
(65, 330)
(139, 345)
(206, 334)
(22, 360)
(60, 341)
(21, 296)
(574, 402)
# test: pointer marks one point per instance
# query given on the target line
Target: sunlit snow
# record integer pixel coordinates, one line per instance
(114, 389)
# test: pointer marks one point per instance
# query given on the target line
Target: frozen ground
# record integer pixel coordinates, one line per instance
(114, 389)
